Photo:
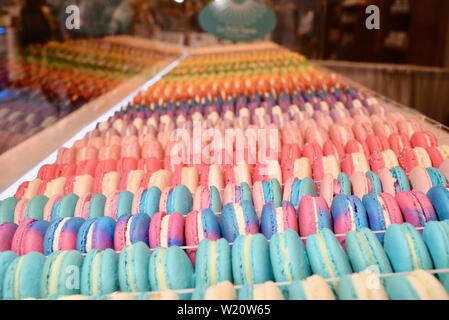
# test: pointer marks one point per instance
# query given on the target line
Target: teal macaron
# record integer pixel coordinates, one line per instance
(436, 238)
(6, 258)
(365, 251)
(96, 205)
(288, 257)
(213, 262)
(326, 255)
(402, 182)
(299, 188)
(23, 276)
(65, 207)
(437, 177)
(133, 268)
(406, 249)
(99, 274)
(170, 268)
(35, 208)
(345, 184)
(61, 274)
(376, 184)
(7, 208)
(251, 259)
(177, 199)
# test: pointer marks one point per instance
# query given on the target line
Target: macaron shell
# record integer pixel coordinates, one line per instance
(133, 268)
(99, 273)
(7, 231)
(439, 197)
(97, 233)
(29, 237)
(233, 224)
(213, 262)
(313, 215)
(130, 229)
(436, 238)
(62, 234)
(6, 258)
(278, 219)
(406, 249)
(7, 208)
(420, 180)
(416, 208)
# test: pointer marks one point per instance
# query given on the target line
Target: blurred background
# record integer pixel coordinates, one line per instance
(407, 59)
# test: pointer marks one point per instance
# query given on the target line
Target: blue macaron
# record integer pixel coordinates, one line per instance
(62, 234)
(133, 266)
(439, 196)
(179, 200)
(406, 249)
(213, 262)
(436, 238)
(149, 202)
(365, 251)
(251, 259)
(326, 255)
(97, 233)
(23, 276)
(61, 274)
(437, 177)
(300, 188)
(288, 257)
(170, 268)
(237, 219)
(99, 274)
(6, 258)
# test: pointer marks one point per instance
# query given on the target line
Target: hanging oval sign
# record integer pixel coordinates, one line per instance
(237, 20)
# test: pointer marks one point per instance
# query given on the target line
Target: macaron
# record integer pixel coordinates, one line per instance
(7, 231)
(170, 268)
(423, 139)
(133, 268)
(326, 255)
(331, 187)
(238, 219)
(146, 201)
(99, 274)
(295, 189)
(406, 249)
(130, 229)
(382, 211)
(90, 206)
(213, 263)
(29, 237)
(365, 285)
(23, 276)
(6, 258)
(201, 225)
(312, 288)
(35, 208)
(436, 238)
(354, 162)
(264, 291)
(97, 233)
(61, 274)
(363, 184)
(439, 197)
(236, 193)
(207, 197)
(422, 157)
(251, 259)
(417, 285)
(288, 257)
(325, 165)
(264, 192)
(394, 181)
(118, 203)
(416, 208)
(167, 230)
(348, 213)
(278, 219)
(7, 208)
(65, 207)
(313, 215)
(423, 179)
(366, 252)
(177, 199)
(62, 234)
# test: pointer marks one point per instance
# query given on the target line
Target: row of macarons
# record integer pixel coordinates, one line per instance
(366, 285)
(161, 196)
(65, 230)
(250, 259)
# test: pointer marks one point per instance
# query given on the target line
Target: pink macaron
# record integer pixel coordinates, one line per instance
(166, 230)
(334, 149)
(420, 180)
(312, 151)
(416, 208)
(377, 143)
(408, 160)
(399, 142)
(7, 231)
(423, 139)
(29, 236)
(313, 215)
(355, 146)
(354, 162)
